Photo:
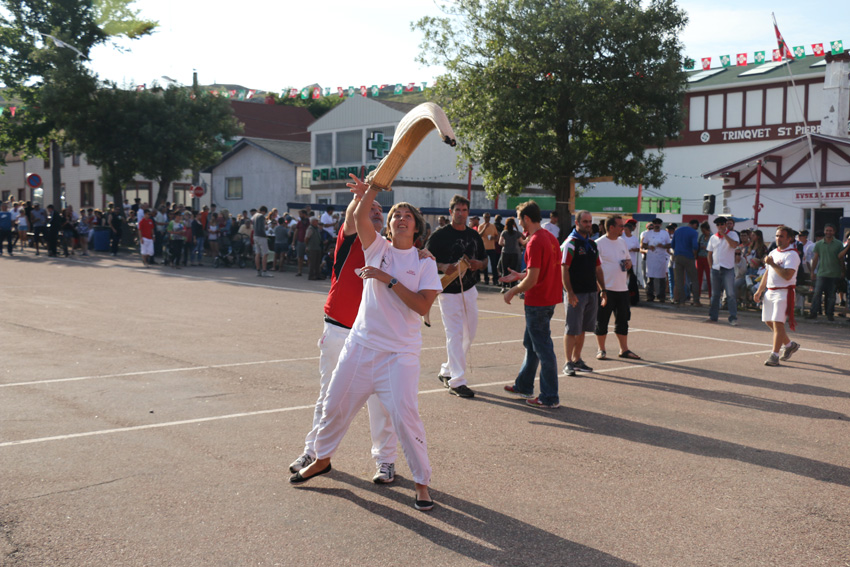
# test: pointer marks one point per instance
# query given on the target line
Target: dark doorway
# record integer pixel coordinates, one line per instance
(824, 216)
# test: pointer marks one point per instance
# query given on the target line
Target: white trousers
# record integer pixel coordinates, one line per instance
(460, 318)
(384, 440)
(394, 378)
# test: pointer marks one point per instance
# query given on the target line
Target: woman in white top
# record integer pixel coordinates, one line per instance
(381, 354)
(23, 227)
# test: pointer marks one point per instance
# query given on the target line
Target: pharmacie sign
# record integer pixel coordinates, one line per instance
(341, 173)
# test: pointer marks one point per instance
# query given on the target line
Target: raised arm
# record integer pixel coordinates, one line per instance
(364, 195)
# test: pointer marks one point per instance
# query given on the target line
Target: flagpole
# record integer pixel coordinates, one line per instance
(802, 114)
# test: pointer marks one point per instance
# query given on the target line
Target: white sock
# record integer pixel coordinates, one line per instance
(775, 354)
(789, 344)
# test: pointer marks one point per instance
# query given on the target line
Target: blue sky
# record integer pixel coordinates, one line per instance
(274, 45)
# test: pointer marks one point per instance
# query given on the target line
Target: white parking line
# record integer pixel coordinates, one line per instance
(296, 408)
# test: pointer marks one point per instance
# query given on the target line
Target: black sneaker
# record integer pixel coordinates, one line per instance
(581, 366)
(444, 380)
(462, 392)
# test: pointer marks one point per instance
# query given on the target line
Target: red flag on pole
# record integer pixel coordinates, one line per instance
(783, 47)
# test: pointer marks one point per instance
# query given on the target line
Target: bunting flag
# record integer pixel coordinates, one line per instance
(12, 110)
(706, 63)
(363, 90)
(424, 85)
(817, 49)
(837, 47)
(398, 89)
(317, 92)
(293, 93)
(799, 52)
(251, 94)
(783, 47)
(214, 93)
(758, 57)
(725, 60)
(2, 108)
(351, 92)
(305, 93)
(410, 87)
(742, 60)
(232, 93)
(689, 63)
(140, 87)
(375, 90)
(777, 55)
(340, 92)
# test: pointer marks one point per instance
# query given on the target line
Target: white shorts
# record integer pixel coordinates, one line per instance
(261, 245)
(774, 305)
(147, 247)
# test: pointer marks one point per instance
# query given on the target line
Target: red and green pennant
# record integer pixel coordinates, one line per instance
(817, 49)
(742, 60)
(725, 60)
(837, 47)
(799, 52)
(758, 57)
(706, 63)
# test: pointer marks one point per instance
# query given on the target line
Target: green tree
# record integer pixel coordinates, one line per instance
(542, 91)
(183, 129)
(43, 47)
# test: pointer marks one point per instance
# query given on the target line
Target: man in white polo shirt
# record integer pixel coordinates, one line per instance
(721, 258)
(777, 287)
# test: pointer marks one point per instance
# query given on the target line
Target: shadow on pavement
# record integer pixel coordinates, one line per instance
(727, 398)
(656, 436)
(507, 541)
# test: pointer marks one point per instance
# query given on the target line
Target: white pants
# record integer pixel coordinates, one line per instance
(384, 441)
(460, 318)
(394, 378)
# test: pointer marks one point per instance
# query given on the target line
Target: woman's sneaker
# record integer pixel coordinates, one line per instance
(772, 360)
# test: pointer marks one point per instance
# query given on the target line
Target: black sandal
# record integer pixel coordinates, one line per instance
(298, 479)
(629, 354)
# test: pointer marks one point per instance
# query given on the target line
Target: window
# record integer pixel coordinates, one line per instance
(86, 194)
(734, 109)
(306, 177)
(696, 121)
(715, 112)
(233, 188)
(349, 146)
(754, 106)
(75, 159)
(181, 194)
(773, 106)
(138, 190)
(22, 194)
(324, 149)
(5, 196)
(47, 162)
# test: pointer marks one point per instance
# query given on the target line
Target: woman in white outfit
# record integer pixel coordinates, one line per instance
(381, 354)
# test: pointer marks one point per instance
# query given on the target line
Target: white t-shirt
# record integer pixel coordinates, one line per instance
(722, 255)
(610, 254)
(787, 258)
(632, 242)
(384, 322)
(553, 228)
(328, 219)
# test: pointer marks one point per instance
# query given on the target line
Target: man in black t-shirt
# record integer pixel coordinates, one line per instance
(458, 306)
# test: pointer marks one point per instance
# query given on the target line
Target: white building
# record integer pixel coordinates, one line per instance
(261, 172)
(734, 113)
(354, 136)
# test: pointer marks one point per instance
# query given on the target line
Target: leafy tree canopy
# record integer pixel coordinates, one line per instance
(541, 91)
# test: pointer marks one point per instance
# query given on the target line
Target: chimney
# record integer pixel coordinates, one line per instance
(836, 96)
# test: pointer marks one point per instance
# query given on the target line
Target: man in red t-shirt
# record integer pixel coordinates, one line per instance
(341, 308)
(146, 238)
(541, 283)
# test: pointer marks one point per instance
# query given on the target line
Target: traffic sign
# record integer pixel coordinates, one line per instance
(198, 191)
(33, 180)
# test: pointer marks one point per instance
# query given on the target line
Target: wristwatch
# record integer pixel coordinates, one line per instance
(392, 283)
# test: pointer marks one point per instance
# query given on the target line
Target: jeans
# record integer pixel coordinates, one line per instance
(198, 250)
(539, 350)
(723, 279)
(685, 276)
(828, 286)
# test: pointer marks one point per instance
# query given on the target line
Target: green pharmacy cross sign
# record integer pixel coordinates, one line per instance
(377, 146)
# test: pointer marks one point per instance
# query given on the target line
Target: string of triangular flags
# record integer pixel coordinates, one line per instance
(315, 92)
(799, 52)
